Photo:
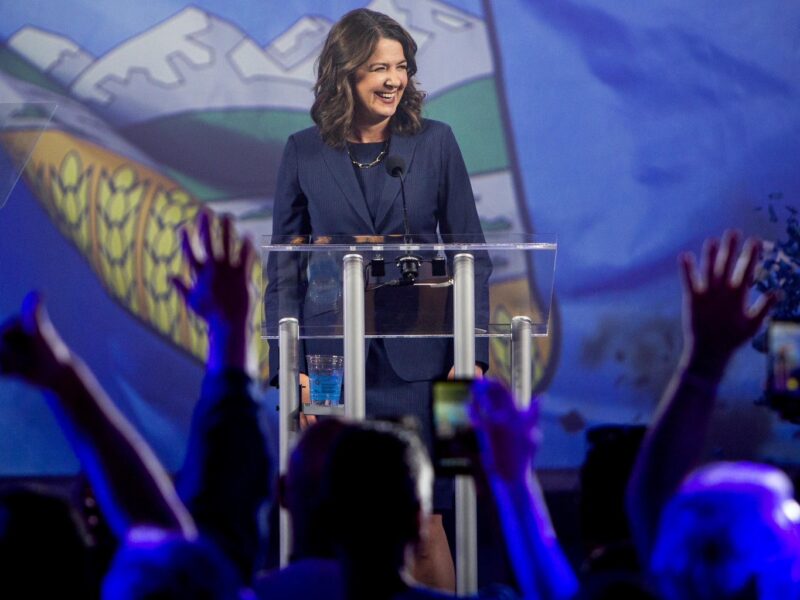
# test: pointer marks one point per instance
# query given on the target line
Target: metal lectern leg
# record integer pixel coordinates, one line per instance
(353, 296)
(464, 350)
(289, 402)
(464, 315)
(521, 386)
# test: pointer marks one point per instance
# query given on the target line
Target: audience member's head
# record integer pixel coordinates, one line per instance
(43, 550)
(378, 487)
(301, 492)
(731, 531)
(158, 565)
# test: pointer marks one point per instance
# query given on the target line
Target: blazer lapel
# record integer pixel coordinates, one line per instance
(402, 146)
(342, 169)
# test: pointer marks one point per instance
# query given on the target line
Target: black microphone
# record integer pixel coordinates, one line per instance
(408, 263)
(396, 166)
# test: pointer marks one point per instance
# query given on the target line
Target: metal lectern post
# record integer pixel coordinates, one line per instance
(353, 296)
(521, 328)
(289, 402)
(464, 350)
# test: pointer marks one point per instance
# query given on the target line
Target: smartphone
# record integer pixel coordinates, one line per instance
(455, 446)
(783, 367)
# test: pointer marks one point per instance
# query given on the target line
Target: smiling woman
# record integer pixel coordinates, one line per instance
(332, 183)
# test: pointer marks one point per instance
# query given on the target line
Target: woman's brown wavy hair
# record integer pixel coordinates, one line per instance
(349, 45)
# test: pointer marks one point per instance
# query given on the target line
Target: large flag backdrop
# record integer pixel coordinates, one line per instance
(630, 132)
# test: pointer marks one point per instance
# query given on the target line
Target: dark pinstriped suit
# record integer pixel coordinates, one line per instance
(318, 194)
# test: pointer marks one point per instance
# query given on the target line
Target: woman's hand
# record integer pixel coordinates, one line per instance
(478, 373)
(305, 400)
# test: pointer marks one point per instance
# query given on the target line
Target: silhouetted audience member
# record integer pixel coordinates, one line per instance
(372, 503)
(131, 485)
(225, 479)
(378, 486)
(313, 571)
(728, 530)
(302, 495)
(354, 540)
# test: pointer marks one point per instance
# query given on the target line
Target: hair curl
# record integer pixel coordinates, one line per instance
(348, 46)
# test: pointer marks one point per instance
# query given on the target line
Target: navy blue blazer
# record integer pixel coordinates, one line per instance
(318, 194)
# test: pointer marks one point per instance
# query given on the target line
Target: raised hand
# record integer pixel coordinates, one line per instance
(221, 292)
(717, 319)
(30, 347)
(508, 437)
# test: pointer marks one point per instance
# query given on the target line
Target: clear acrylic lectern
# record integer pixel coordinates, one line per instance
(449, 302)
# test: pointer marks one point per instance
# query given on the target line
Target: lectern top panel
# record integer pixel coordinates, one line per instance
(408, 283)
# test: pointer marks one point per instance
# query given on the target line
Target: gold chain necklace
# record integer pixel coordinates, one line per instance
(368, 165)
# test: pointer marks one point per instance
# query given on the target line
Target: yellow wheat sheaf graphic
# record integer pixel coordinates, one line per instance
(125, 219)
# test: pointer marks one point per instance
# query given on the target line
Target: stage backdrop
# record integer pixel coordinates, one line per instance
(630, 132)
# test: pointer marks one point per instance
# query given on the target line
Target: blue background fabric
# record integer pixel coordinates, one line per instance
(631, 131)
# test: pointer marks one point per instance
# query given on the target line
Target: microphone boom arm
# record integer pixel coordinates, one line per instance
(408, 263)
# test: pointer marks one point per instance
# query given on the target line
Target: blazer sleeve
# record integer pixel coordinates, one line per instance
(459, 216)
(286, 282)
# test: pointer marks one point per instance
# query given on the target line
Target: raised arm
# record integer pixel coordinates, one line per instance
(226, 476)
(131, 485)
(508, 439)
(716, 321)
